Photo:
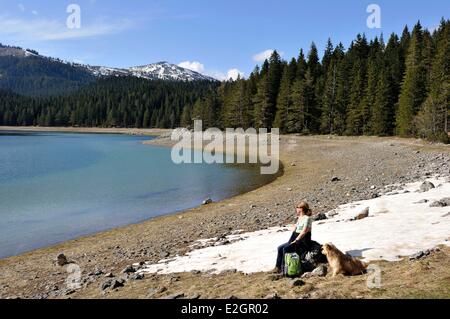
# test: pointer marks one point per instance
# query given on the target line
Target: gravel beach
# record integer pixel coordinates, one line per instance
(325, 171)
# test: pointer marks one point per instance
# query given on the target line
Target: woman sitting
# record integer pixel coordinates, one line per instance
(301, 237)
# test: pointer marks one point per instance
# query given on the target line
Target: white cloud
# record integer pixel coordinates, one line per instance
(262, 56)
(234, 74)
(194, 66)
(221, 76)
(53, 30)
(34, 12)
(21, 7)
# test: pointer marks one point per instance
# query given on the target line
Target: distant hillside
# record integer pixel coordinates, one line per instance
(26, 72)
(108, 102)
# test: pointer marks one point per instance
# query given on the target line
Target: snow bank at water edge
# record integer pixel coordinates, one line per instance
(400, 223)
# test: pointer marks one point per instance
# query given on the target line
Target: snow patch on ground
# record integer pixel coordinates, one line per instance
(397, 226)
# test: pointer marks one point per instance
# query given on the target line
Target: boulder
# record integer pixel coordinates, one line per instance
(128, 270)
(426, 186)
(445, 201)
(297, 282)
(164, 254)
(335, 179)
(320, 216)
(207, 201)
(177, 295)
(112, 284)
(311, 259)
(419, 255)
(137, 276)
(438, 203)
(61, 260)
(320, 271)
(363, 214)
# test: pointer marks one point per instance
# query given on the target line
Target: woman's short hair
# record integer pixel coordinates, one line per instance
(306, 210)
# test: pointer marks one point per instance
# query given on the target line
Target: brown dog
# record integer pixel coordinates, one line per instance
(341, 263)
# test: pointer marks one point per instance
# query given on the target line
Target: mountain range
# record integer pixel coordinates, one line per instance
(25, 71)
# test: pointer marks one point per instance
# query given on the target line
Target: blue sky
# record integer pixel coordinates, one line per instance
(216, 37)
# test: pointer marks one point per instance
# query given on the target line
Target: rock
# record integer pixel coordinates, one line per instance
(129, 270)
(311, 259)
(112, 284)
(320, 216)
(272, 296)
(289, 189)
(445, 201)
(426, 186)
(231, 297)
(194, 297)
(177, 295)
(422, 201)
(61, 260)
(252, 206)
(164, 254)
(109, 275)
(438, 204)
(335, 179)
(419, 255)
(320, 271)
(207, 201)
(137, 276)
(363, 214)
(293, 164)
(228, 272)
(68, 292)
(297, 282)
(332, 213)
(155, 291)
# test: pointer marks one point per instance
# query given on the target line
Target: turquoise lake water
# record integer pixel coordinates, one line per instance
(60, 186)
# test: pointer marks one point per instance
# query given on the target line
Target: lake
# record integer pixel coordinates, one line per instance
(60, 186)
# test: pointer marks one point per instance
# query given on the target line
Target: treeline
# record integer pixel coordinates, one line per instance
(401, 87)
(374, 88)
(110, 102)
(37, 76)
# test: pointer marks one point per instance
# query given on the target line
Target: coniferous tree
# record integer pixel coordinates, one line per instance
(368, 89)
(413, 86)
(262, 104)
(432, 120)
(295, 117)
(283, 101)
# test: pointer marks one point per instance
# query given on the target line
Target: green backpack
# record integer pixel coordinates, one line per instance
(292, 265)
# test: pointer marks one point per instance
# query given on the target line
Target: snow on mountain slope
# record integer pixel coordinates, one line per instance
(167, 71)
(155, 71)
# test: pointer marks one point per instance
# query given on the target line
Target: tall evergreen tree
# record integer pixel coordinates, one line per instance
(413, 86)
(432, 120)
(283, 101)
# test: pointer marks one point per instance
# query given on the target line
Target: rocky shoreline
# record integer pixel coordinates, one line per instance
(327, 172)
